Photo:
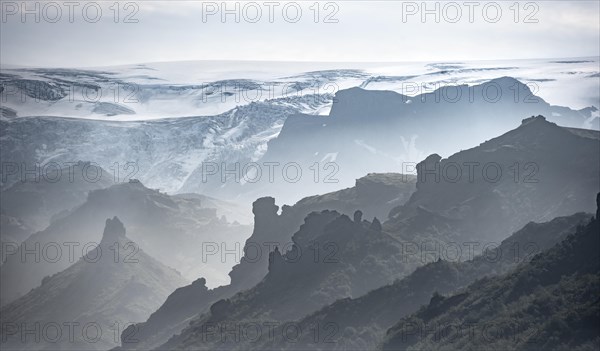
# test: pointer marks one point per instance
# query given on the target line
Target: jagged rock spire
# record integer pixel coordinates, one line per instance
(265, 212)
(275, 259)
(358, 216)
(533, 119)
(113, 229)
(375, 225)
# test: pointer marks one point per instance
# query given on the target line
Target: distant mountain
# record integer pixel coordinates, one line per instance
(360, 324)
(550, 302)
(176, 231)
(270, 229)
(44, 193)
(190, 88)
(228, 155)
(98, 296)
(386, 130)
(535, 172)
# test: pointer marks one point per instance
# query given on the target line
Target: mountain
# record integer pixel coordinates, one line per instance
(360, 323)
(535, 172)
(191, 88)
(43, 193)
(459, 211)
(97, 297)
(387, 130)
(187, 302)
(270, 229)
(550, 302)
(176, 231)
(374, 194)
(363, 257)
(331, 257)
(229, 154)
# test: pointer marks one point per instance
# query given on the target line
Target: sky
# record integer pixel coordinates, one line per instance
(66, 33)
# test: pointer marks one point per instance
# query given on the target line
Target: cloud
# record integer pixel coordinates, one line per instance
(333, 31)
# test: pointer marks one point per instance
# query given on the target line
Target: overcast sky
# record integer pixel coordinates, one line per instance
(344, 31)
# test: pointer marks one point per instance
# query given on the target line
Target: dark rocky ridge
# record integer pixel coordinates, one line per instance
(271, 228)
(550, 302)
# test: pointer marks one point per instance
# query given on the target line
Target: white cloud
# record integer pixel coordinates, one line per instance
(365, 31)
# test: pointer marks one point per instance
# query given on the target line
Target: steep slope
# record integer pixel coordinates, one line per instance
(332, 257)
(360, 324)
(45, 192)
(550, 302)
(114, 285)
(175, 231)
(270, 229)
(535, 172)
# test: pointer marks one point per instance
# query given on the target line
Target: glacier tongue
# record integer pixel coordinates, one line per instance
(161, 153)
